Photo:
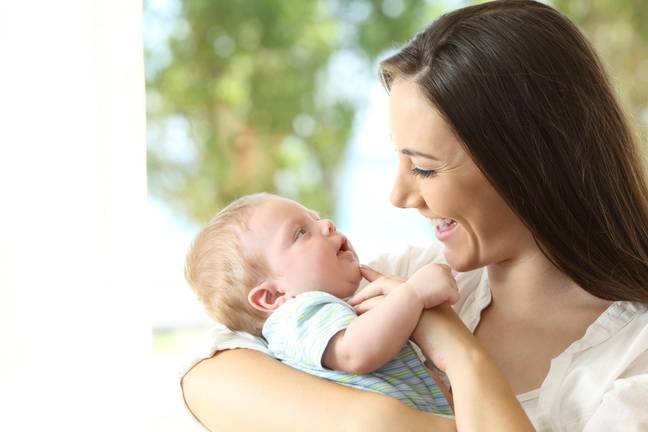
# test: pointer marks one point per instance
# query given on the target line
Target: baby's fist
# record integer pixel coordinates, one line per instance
(434, 285)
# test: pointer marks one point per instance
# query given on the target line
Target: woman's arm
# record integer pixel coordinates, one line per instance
(244, 390)
(483, 399)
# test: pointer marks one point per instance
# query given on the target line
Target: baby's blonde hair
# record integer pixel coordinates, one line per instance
(222, 273)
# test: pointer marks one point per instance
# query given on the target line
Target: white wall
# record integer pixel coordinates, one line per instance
(73, 318)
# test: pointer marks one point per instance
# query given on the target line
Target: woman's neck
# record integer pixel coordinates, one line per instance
(530, 282)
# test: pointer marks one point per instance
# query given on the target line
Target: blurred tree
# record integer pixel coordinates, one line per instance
(246, 101)
(617, 29)
(254, 94)
(242, 79)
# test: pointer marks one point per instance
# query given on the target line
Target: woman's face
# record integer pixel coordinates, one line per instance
(437, 177)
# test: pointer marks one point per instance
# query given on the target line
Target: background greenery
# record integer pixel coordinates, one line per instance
(252, 95)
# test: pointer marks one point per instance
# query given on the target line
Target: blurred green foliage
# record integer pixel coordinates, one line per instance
(252, 97)
(618, 30)
(250, 83)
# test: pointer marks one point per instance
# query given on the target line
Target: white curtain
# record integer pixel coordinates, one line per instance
(74, 330)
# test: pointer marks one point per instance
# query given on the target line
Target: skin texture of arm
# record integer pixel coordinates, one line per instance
(358, 350)
(483, 399)
(244, 390)
(376, 336)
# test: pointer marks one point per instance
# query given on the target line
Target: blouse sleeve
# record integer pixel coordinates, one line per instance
(221, 338)
(623, 408)
(406, 262)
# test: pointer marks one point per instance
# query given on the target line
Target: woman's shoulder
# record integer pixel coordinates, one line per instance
(622, 334)
(621, 331)
(601, 381)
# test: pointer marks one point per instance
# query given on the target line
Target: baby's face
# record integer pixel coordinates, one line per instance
(304, 252)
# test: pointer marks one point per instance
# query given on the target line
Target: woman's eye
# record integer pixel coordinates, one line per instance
(422, 173)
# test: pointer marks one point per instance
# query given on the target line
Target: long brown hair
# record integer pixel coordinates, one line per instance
(528, 97)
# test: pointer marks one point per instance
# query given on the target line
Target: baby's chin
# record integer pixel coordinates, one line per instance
(355, 287)
(358, 277)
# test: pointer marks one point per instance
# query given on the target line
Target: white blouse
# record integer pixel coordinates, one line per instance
(599, 383)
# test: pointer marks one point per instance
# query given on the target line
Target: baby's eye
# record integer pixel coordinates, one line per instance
(300, 232)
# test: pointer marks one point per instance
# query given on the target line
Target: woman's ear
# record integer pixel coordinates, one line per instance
(266, 297)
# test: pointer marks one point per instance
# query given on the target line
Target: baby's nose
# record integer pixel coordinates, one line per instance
(328, 227)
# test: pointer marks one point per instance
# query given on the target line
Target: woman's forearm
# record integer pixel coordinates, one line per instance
(243, 390)
(483, 399)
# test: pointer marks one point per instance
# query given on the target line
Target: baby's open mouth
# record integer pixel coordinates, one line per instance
(344, 246)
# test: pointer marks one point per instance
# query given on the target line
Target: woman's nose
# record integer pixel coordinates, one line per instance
(404, 193)
(328, 227)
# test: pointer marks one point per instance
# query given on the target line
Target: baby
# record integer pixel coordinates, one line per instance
(269, 266)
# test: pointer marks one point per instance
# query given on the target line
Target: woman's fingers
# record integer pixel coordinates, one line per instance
(369, 273)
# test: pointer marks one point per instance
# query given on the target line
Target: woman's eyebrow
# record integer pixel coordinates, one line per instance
(417, 153)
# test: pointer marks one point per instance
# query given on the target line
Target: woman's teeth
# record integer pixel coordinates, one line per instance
(442, 222)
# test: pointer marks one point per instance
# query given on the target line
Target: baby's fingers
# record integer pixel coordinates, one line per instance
(371, 290)
(369, 273)
(367, 305)
(453, 297)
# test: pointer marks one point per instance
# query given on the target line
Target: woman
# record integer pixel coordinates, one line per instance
(510, 140)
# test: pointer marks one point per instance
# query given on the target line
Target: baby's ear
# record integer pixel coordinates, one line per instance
(266, 297)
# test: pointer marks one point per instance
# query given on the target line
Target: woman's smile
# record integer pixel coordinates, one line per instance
(446, 229)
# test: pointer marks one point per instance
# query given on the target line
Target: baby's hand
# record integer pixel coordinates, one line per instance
(434, 285)
(378, 285)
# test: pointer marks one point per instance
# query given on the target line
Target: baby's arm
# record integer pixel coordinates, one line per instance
(375, 337)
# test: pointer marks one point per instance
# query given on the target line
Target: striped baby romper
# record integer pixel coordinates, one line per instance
(299, 331)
